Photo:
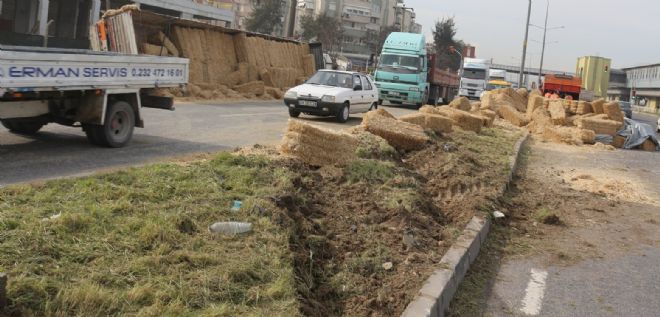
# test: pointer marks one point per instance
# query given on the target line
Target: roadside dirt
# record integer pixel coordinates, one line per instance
(568, 205)
(368, 235)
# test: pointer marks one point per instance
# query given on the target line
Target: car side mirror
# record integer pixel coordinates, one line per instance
(358, 88)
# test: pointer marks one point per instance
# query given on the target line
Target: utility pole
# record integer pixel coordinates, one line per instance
(524, 52)
(545, 31)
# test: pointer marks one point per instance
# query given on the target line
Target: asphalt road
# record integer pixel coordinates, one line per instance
(612, 254)
(59, 151)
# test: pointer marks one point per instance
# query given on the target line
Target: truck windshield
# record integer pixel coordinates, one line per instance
(334, 79)
(400, 63)
(470, 73)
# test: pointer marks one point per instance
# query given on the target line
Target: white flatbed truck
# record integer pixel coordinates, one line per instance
(101, 92)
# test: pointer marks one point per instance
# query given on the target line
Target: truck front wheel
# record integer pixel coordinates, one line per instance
(26, 127)
(117, 130)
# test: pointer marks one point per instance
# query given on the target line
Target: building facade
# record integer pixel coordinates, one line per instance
(595, 74)
(644, 84)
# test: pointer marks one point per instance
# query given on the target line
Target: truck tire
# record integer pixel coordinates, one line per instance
(344, 113)
(26, 127)
(117, 129)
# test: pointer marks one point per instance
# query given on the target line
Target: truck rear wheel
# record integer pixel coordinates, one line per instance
(26, 127)
(117, 130)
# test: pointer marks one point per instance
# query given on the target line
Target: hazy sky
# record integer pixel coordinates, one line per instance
(625, 31)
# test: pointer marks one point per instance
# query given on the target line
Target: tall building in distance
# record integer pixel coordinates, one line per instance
(243, 10)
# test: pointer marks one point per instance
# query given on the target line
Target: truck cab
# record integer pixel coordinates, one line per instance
(474, 78)
(402, 72)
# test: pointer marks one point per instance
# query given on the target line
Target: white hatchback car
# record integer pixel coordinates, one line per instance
(333, 93)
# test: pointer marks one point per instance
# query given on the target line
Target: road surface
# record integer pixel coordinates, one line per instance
(59, 151)
(602, 258)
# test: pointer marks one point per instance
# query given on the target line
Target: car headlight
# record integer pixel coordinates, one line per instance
(291, 94)
(328, 98)
(414, 89)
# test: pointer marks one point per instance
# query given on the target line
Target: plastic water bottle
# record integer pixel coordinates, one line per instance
(230, 227)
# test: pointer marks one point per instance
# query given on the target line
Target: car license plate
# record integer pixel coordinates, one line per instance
(394, 93)
(307, 103)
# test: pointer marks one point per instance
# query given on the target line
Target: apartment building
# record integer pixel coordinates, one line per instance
(243, 10)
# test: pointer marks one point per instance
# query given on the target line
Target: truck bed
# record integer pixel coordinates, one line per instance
(443, 78)
(26, 69)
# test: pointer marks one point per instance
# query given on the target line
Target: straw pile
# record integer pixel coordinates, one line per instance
(461, 103)
(600, 126)
(583, 107)
(597, 106)
(433, 122)
(557, 112)
(401, 135)
(317, 146)
(618, 141)
(613, 111)
(490, 116)
(509, 113)
(569, 135)
(462, 119)
(256, 87)
(648, 146)
(534, 102)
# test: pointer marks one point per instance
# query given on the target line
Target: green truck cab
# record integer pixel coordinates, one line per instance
(407, 75)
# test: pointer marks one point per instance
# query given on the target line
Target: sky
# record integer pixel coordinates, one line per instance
(625, 31)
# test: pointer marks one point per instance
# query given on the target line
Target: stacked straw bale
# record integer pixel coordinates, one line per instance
(461, 103)
(317, 146)
(433, 122)
(463, 119)
(401, 135)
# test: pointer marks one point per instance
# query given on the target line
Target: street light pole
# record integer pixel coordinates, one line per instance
(524, 52)
(545, 31)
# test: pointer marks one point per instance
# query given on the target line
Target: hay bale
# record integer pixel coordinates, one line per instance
(490, 115)
(256, 87)
(150, 49)
(557, 112)
(475, 106)
(540, 119)
(597, 106)
(600, 126)
(309, 65)
(648, 146)
(613, 111)
(568, 135)
(433, 122)
(583, 107)
(534, 102)
(401, 135)
(165, 41)
(461, 103)
(427, 109)
(535, 92)
(587, 136)
(463, 119)
(274, 92)
(492, 101)
(523, 92)
(572, 107)
(509, 113)
(518, 101)
(243, 71)
(571, 121)
(317, 146)
(618, 141)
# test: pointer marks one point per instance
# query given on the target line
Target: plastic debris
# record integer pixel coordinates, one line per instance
(53, 217)
(237, 206)
(230, 227)
(388, 266)
(498, 214)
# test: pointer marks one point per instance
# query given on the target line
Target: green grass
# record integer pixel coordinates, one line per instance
(370, 171)
(136, 243)
(546, 216)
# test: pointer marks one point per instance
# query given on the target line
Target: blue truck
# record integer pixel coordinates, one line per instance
(406, 73)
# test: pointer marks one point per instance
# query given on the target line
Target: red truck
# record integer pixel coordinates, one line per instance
(562, 85)
(444, 83)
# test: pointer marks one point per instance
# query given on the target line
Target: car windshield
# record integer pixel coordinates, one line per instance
(334, 79)
(474, 73)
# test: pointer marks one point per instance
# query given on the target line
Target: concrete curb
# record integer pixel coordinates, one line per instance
(438, 291)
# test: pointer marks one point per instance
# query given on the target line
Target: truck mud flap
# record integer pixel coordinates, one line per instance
(165, 103)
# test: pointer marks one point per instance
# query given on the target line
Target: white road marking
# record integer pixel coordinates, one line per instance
(531, 304)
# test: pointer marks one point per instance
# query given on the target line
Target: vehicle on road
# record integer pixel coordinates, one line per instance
(563, 86)
(406, 73)
(333, 93)
(101, 92)
(626, 107)
(498, 79)
(474, 78)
